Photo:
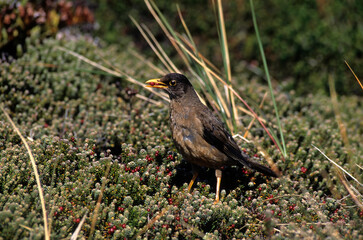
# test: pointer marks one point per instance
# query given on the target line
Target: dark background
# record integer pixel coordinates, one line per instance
(305, 42)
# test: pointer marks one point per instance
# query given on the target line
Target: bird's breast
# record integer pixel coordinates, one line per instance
(187, 132)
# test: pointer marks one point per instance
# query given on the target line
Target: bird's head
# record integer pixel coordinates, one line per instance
(177, 85)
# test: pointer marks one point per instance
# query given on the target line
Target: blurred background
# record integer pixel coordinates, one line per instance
(305, 42)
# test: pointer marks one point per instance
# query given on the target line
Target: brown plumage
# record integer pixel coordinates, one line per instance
(198, 134)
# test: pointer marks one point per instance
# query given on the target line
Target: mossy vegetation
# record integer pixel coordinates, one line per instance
(97, 140)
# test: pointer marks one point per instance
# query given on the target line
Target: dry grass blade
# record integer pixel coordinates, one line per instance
(226, 61)
(354, 74)
(35, 170)
(112, 72)
(193, 229)
(148, 99)
(330, 184)
(78, 229)
(190, 42)
(208, 72)
(253, 120)
(268, 159)
(147, 62)
(161, 50)
(264, 153)
(224, 42)
(26, 227)
(155, 50)
(95, 212)
(224, 107)
(342, 128)
(165, 30)
(337, 165)
(249, 113)
(191, 46)
(151, 222)
(350, 191)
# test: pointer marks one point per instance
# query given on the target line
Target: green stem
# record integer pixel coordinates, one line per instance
(267, 76)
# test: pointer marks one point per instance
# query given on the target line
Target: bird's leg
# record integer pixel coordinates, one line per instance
(195, 170)
(219, 178)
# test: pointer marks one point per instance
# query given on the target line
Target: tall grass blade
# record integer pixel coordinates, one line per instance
(337, 165)
(117, 73)
(338, 118)
(354, 74)
(161, 50)
(268, 77)
(226, 62)
(153, 47)
(36, 174)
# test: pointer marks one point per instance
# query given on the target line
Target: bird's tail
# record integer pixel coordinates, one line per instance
(246, 161)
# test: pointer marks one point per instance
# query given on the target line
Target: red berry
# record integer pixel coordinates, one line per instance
(123, 225)
(61, 209)
(303, 169)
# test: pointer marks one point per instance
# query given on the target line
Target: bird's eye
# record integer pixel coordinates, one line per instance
(172, 83)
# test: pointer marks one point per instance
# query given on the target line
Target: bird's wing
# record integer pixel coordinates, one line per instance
(215, 134)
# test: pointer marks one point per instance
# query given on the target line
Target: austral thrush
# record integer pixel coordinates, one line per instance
(198, 134)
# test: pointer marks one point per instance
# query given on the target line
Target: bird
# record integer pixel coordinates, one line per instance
(199, 135)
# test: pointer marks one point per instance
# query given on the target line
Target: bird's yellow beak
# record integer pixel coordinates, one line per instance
(156, 83)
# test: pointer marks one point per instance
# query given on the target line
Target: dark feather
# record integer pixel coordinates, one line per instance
(215, 134)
